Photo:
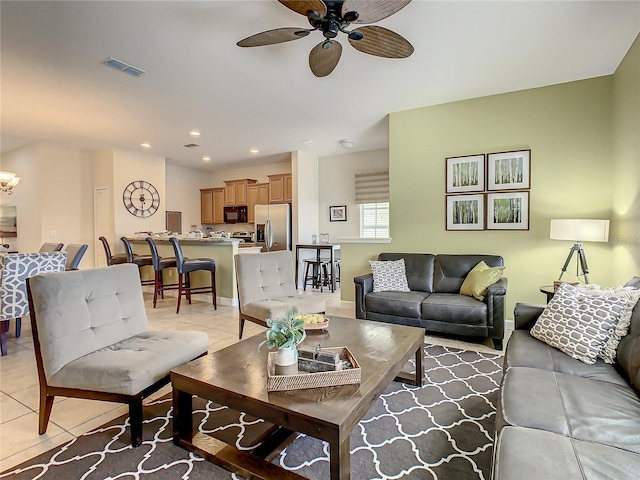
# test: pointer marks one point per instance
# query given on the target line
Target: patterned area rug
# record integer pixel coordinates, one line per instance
(443, 430)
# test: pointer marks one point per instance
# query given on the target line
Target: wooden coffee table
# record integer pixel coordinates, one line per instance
(237, 377)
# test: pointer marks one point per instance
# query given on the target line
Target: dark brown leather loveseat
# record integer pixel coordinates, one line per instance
(434, 302)
(559, 418)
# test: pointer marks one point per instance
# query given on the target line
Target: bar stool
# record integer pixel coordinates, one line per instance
(139, 260)
(159, 264)
(319, 274)
(185, 267)
(112, 259)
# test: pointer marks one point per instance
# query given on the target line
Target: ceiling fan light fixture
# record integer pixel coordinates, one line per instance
(356, 36)
(314, 15)
(351, 16)
(331, 30)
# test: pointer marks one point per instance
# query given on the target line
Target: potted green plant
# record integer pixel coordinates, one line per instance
(285, 333)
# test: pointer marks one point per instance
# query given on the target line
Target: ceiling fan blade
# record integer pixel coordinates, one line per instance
(372, 11)
(381, 42)
(270, 37)
(303, 6)
(324, 57)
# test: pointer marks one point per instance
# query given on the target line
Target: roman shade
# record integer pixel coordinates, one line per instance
(372, 187)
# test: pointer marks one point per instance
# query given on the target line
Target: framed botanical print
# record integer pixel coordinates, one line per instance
(509, 170)
(465, 174)
(508, 211)
(465, 212)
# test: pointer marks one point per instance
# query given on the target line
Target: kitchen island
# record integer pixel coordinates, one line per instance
(222, 251)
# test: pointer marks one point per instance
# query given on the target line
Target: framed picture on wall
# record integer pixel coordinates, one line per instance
(338, 213)
(508, 211)
(465, 212)
(509, 170)
(465, 174)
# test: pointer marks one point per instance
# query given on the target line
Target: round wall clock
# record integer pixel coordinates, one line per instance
(141, 198)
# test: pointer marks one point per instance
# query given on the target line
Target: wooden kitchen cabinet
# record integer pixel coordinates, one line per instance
(212, 205)
(280, 188)
(218, 204)
(236, 191)
(257, 194)
(206, 205)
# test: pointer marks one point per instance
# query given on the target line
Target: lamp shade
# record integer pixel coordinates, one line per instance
(580, 230)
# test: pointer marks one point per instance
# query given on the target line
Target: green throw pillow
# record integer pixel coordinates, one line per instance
(479, 279)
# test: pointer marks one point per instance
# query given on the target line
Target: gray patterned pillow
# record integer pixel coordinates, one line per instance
(578, 324)
(389, 276)
(632, 295)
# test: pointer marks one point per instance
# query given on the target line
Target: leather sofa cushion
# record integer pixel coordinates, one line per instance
(570, 405)
(454, 308)
(418, 267)
(402, 304)
(628, 352)
(535, 454)
(451, 270)
(523, 350)
(130, 366)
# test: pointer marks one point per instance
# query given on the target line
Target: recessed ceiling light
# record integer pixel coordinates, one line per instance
(309, 142)
(194, 133)
(206, 158)
(145, 145)
(254, 150)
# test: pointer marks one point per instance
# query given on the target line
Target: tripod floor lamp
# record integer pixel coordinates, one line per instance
(579, 230)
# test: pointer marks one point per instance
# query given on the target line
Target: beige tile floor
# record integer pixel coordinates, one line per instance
(19, 439)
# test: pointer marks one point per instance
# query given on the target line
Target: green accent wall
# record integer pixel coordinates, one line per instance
(584, 138)
(625, 227)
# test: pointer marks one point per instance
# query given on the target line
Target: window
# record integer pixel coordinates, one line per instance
(374, 220)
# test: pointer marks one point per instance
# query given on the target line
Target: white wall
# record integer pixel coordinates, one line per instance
(127, 167)
(26, 197)
(304, 172)
(257, 172)
(183, 193)
(337, 177)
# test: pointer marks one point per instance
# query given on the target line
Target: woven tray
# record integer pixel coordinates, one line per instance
(313, 380)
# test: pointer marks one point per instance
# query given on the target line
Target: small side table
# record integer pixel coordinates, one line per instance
(549, 291)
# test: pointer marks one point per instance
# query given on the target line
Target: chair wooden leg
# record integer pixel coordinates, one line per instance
(135, 422)
(241, 328)
(179, 291)
(161, 285)
(18, 327)
(213, 290)
(46, 404)
(4, 328)
(155, 288)
(188, 289)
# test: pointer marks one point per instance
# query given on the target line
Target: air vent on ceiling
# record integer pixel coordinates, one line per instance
(123, 67)
(191, 145)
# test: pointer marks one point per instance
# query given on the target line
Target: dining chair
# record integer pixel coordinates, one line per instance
(75, 252)
(16, 268)
(185, 267)
(139, 260)
(112, 259)
(159, 265)
(50, 247)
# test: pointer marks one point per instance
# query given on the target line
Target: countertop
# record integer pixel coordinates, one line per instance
(197, 241)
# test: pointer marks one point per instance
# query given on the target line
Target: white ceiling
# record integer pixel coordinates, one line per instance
(54, 86)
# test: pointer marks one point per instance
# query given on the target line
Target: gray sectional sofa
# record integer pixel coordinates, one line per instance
(558, 418)
(434, 302)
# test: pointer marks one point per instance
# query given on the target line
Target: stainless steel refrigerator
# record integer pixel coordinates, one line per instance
(273, 227)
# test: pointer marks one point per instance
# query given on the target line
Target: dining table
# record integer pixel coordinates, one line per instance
(333, 248)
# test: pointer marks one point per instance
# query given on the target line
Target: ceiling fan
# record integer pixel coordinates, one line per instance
(332, 17)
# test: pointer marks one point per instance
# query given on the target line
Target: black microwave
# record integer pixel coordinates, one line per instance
(235, 214)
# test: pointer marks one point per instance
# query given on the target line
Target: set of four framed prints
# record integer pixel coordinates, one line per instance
(488, 191)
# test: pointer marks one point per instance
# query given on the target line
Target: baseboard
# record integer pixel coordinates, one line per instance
(347, 304)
